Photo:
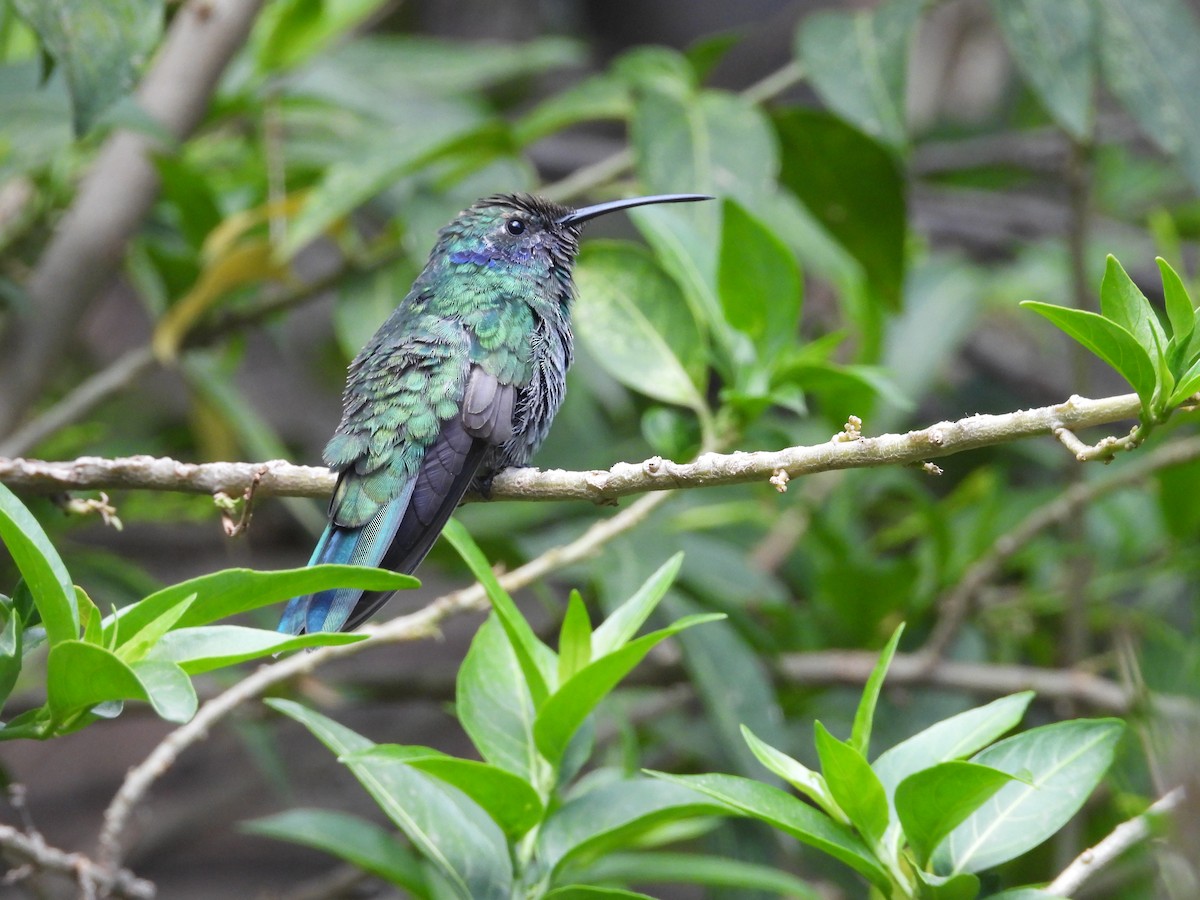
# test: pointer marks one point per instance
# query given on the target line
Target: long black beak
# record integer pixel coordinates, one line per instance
(579, 216)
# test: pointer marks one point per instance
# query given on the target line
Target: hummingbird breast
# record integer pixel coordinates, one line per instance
(537, 402)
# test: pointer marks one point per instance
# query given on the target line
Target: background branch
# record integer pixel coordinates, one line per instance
(854, 667)
(32, 850)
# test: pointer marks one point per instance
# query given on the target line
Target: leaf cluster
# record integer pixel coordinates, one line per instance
(520, 822)
(920, 821)
(148, 650)
(1160, 360)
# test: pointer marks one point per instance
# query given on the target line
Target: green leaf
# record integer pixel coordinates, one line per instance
(962, 886)
(289, 32)
(448, 828)
(80, 676)
(786, 813)
(11, 634)
(1061, 764)
(100, 47)
(1123, 302)
(188, 190)
(1022, 893)
(695, 868)
(208, 647)
(89, 617)
(854, 188)
(35, 118)
(493, 703)
(708, 143)
(574, 639)
(1179, 305)
(509, 799)
(759, 282)
(377, 162)
(614, 815)
(1107, 340)
(795, 773)
(41, 567)
(429, 66)
(168, 689)
(688, 256)
(136, 646)
(597, 98)
(340, 740)
(1053, 43)
(584, 892)
(858, 62)
(853, 784)
(233, 591)
(656, 68)
(617, 630)
(954, 738)
(860, 736)
(564, 712)
(359, 842)
(933, 802)
(536, 659)
(1188, 384)
(632, 317)
(1146, 54)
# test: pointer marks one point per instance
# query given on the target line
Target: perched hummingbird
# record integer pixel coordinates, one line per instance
(462, 380)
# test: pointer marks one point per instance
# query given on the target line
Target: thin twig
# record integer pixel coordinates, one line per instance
(1120, 839)
(80, 401)
(112, 881)
(414, 626)
(279, 478)
(956, 603)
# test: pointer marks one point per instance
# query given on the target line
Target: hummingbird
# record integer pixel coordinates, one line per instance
(462, 380)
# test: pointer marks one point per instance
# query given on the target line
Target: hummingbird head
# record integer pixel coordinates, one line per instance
(521, 229)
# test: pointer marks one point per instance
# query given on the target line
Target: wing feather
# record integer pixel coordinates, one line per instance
(402, 529)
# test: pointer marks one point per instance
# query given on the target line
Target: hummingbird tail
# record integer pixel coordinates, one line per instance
(364, 546)
(397, 537)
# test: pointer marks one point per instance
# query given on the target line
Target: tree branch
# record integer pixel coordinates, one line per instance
(32, 850)
(843, 451)
(1124, 836)
(117, 193)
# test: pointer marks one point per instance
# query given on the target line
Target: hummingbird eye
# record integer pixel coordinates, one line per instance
(514, 226)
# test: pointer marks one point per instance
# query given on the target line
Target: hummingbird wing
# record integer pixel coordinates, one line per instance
(417, 425)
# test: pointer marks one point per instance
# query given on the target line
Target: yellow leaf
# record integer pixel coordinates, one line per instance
(222, 239)
(241, 264)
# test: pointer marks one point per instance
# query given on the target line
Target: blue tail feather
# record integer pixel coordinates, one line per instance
(397, 537)
(364, 546)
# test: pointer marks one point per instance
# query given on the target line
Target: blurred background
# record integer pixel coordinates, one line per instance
(924, 181)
